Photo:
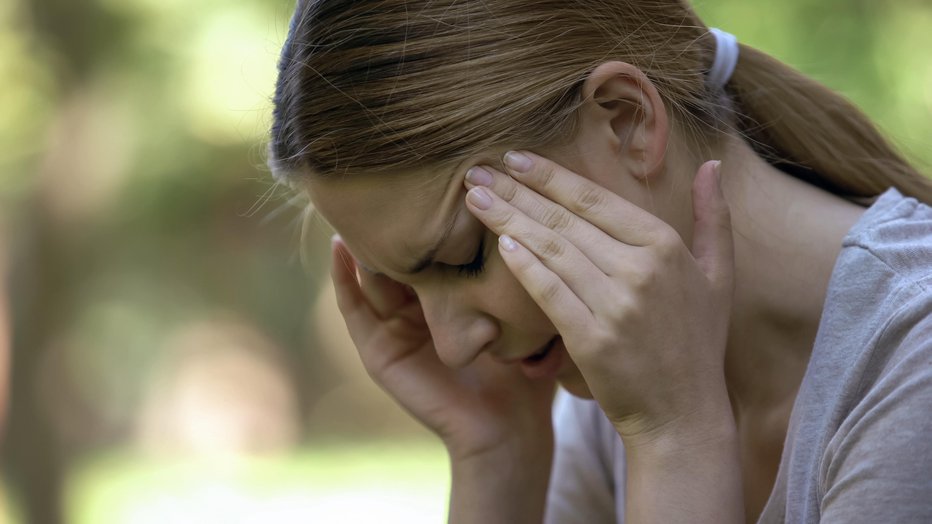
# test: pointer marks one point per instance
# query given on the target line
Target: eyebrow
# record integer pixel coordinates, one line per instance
(425, 261)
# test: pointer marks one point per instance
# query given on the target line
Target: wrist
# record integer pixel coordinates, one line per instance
(700, 424)
(695, 461)
(500, 444)
(512, 457)
(500, 485)
(681, 435)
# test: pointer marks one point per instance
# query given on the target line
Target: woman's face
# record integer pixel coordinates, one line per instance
(415, 229)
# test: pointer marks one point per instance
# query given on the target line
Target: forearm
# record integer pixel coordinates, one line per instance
(505, 489)
(686, 477)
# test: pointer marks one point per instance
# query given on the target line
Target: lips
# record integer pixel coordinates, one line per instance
(541, 354)
(547, 362)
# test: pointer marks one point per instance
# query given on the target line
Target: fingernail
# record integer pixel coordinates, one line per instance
(508, 243)
(717, 168)
(518, 162)
(478, 197)
(335, 239)
(478, 176)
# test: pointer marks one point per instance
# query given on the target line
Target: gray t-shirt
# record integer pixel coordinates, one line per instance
(859, 443)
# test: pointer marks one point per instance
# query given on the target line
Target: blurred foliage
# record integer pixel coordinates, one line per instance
(407, 485)
(144, 226)
(869, 51)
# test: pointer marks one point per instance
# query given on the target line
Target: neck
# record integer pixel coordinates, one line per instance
(788, 235)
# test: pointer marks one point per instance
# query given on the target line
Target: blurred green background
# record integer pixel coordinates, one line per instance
(173, 360)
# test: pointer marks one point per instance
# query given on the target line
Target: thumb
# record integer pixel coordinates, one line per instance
(713, 244)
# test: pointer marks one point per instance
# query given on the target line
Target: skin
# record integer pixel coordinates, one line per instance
(727, 370)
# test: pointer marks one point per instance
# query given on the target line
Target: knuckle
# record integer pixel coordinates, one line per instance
(644, 279)
(724, 221)
(720, 220)
(588, 199)
(603, 341)
(667, 245)
(622, 310)
(550, 291)
(508, 190)
(556, 219)
(725, 229)
(545, 176)
(724, 215)
(551, 248)
(506, 220)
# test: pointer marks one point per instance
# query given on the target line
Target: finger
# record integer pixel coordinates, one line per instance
(384, 295)
(372, 336)
(562, 258)
(713, 242)
(359, 316)
(611, 213)
(563, 307)
(589, 239)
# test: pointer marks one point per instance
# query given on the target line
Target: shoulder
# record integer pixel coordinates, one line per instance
(882, 281)
(880, 303)
(857, 449)
(896, 231)
(876, 465)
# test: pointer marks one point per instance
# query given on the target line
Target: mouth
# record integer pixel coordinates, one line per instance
(547, 362)
(542, 353)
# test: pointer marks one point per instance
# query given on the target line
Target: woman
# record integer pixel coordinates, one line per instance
(522, 198)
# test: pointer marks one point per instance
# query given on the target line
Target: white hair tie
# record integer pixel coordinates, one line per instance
(726, 58)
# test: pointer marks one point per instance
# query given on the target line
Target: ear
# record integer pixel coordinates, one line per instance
(623, 106)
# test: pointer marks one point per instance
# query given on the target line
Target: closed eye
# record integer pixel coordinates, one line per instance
(474, 268)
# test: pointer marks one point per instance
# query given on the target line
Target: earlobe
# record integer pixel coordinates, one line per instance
(624, 106)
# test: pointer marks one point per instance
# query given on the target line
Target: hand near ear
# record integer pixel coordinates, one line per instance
(643, 317)
(494, 421)
(462, 406)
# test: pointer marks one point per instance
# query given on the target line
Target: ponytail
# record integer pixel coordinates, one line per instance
(815, 134)
(366, 90)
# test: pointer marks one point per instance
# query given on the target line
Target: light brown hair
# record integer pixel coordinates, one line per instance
(390, 85)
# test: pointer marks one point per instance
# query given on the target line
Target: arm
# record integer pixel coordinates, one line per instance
(504, 486)
(878, 465)
(689, 475)
(494, 422)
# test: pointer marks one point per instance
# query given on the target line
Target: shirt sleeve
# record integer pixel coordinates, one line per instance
(878, 465)
(582, 483)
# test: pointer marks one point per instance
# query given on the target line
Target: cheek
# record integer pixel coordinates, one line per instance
(509, 302)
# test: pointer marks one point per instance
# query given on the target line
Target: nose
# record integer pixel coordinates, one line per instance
(459, 326)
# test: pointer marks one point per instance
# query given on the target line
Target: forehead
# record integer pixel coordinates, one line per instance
(389, 217)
